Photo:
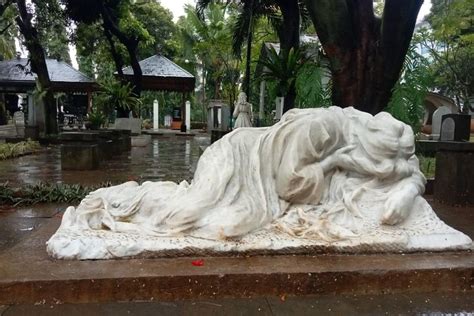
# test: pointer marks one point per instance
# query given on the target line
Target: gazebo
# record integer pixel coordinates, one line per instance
(161, 74)
(16, 77)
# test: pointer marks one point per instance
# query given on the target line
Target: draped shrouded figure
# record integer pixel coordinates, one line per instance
(305, 177)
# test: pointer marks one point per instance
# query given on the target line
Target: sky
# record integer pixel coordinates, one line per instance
(176, 6)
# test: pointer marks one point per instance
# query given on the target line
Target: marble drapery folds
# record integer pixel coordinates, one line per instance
(319, 176)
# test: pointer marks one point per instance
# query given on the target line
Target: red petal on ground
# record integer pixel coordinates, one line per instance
(198, 263)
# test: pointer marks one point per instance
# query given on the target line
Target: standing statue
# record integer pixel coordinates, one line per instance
(331, 177)
(242, 112)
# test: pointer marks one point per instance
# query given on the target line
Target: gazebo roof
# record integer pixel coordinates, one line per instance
(160, 73)
(64, 78)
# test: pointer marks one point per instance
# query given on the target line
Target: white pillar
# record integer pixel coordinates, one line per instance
(156, 115)
(188, 116)
(31, 110)
(262, 101)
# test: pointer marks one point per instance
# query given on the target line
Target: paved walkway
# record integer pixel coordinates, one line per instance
(393, 304)
(168, 157)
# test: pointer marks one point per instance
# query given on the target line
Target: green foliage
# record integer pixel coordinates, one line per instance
(310, 88)
(115, 94)
(282, 68)
(427, 166)
(51, 23)
(158, 22)
(96, 119)
(450, 43)
(18, 149)
(409, 93)
(207, 41)
(9, 32)
(45, 193)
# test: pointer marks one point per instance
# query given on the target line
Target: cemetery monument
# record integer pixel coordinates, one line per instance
(320, 180)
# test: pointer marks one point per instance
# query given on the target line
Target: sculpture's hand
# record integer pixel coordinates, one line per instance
(336, 159)
(398, 206)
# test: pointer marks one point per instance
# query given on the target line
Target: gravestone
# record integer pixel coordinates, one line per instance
(132, 124)
(168, 120)
(19, 122)
(437, 117)
(455, 127)
(447, 129)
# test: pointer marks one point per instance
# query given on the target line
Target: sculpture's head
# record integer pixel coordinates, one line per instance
(388, 137)
(385, 143)
(242, 98)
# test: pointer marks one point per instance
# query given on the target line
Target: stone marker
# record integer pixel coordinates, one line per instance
(19, 122)
(132, 124)
(447, 129)
(168, 120)
(437, 117)
(455, 127)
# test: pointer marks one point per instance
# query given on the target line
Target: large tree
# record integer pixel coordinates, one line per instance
(366, 52)
(120, 28)
(284, 15)
(450, 44)
(51, 25)
(38, 64)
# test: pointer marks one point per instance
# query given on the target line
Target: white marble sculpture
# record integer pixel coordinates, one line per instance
(242, 111)
(319, 180)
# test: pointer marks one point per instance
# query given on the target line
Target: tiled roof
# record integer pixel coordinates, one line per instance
(159, 66)
(59, 71)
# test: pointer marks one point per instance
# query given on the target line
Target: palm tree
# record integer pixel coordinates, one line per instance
(284, 15)
(209, 37)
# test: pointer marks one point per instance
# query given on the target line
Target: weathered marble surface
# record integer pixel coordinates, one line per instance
(320, 180)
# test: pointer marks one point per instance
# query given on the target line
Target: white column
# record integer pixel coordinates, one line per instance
(156, 115)
(188, 115)
(262, 100)
(31, 110)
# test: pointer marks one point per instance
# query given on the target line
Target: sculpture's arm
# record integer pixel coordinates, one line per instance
(340, 158)
(400, 202)
(236, 110)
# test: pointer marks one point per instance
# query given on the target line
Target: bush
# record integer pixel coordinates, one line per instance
(18, 149)
(45, 193)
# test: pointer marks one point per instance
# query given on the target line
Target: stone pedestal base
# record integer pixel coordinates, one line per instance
(80, 156)
(454, 173)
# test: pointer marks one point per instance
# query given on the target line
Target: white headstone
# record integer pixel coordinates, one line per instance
(437, 116)
(156, 115)
(19, 118)
(279, 101)
(187, 120)
(447, 129)
(168, 119)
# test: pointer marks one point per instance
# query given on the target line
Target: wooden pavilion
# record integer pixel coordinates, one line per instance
(16, 77)
(161, 74)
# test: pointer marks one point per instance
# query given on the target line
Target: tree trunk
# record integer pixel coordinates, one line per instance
(366, 53)
(289, 35)
(38, 66)
(131, 44)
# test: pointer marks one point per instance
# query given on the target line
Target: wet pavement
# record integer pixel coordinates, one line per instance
(394, 304)
(23, 232)
(172, 158)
